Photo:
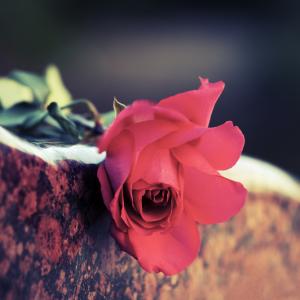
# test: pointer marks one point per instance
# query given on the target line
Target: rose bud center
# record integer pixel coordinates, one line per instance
(152, 208)
(156, 199)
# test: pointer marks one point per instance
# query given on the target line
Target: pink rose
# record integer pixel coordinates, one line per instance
(160, 178)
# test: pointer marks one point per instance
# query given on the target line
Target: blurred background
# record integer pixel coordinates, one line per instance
(152, 49)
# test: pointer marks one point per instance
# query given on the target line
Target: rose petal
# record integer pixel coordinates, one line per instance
(117, 165)
(134, 221)
(188, 156)
(176, 206)
(139, 111)
(117, 211)
(222, 145)
(119, 159)
(108, 197)
(186, 133)
(123, 240)
(196, 105)
(156, 166)
(134, 218)
(169, 252)
(106, 189)
(122, 207)
(148, 132)
(157, 213)
(212, 198)
(165, 113)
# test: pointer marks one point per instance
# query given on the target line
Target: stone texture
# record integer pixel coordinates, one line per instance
(55, 243)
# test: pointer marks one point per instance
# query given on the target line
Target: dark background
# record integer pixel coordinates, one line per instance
(152, 49)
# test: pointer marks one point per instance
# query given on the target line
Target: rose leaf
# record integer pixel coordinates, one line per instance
(36, 83)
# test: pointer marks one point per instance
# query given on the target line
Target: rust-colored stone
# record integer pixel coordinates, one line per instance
(28, 207)
(48, 239)
(55, 243)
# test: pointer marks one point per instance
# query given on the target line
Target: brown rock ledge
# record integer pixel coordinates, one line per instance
(55, 243)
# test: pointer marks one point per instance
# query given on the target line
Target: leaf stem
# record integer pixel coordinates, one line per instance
(91, 107)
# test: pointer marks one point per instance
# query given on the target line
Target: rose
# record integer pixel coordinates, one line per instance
(160, 176)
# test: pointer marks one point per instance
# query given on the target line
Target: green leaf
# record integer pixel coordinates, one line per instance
(66, 124)
(17, 114)
(36, 83)
(48, 134)
(34, 119)
(58, 91)
(12, 92)
(81, 121)
(107, 118)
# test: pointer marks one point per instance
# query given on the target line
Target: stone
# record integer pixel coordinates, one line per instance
(55, 243)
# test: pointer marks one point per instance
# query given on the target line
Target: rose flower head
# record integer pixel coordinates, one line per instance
(160, 177)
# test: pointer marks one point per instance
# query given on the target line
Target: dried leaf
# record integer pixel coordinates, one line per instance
(118, 106)
(12, 92)
(58, 92)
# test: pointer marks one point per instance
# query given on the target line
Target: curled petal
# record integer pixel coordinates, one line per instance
(196, 105)
(212, 198)
(118, 213)
(169, 252)
(222, 145)
(186, 133)
(114, 171)
(106, 189)
(165, 113)
(156, 166)
(130, 214)
(148, 215)
(107, 195)
(119, 159)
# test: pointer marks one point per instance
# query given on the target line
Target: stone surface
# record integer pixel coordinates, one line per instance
(55, 243)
